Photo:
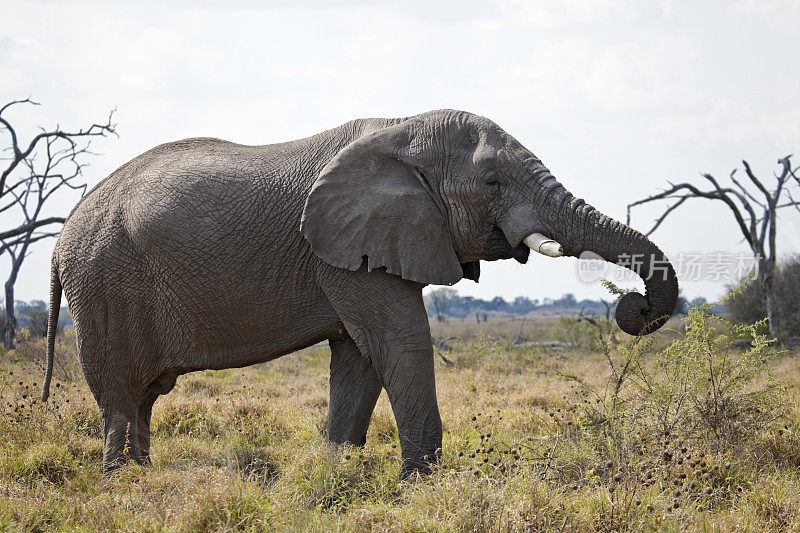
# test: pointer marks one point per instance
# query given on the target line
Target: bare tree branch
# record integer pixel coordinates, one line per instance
(4, 247)
(19, 155)
(667, 212)
(745, 191)
(756, 181)
(25, 228)
(697, 193)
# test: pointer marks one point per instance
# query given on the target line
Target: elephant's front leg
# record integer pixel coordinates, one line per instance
(355, 388)
(386, 318)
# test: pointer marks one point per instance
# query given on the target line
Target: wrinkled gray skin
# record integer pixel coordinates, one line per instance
(206, 254)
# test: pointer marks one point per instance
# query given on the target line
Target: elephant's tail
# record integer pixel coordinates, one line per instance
(52, 327)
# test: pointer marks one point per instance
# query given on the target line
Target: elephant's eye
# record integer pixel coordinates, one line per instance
(492, 182)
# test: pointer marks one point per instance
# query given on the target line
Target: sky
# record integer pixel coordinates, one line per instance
(615, 97)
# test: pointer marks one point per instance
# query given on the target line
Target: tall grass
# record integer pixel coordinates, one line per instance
(677, 431)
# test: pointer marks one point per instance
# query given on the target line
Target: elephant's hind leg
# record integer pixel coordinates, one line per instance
(162, 385)
(118, 404)
(355, 388)
(125, 405)
(143, 425)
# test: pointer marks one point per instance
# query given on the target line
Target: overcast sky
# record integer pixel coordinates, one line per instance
(615, 97)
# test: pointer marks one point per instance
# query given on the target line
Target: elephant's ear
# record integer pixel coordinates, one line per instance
(371, 204)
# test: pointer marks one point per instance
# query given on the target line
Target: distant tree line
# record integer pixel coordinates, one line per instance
(33, 317)
(446, 302)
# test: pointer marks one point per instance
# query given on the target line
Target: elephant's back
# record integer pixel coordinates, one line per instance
(196, 193)
(200, 192)
(195, 230)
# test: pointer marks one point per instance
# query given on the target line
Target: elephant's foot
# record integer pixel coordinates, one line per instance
(112, 465)
(121, 439)
(413, 468)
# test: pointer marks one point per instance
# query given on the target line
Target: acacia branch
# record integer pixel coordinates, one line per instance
(758, 231)
(669, 210)
(744, 190)
(70, 137)
(697, 193)
(25, 228)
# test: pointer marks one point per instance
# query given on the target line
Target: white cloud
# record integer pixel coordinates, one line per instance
(556, 13)
(614, 96)
(764, 7)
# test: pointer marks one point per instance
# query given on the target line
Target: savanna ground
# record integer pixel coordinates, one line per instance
(645, 435)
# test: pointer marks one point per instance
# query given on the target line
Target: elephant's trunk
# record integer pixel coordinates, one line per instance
(579, 228)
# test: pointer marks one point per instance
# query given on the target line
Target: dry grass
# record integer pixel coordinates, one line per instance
(242, 450)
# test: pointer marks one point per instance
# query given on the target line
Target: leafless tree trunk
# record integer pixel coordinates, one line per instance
(10, 328)
(754, 209)
(519, 338)
(51, 161)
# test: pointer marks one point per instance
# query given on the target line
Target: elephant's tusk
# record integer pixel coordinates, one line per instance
(544, 245)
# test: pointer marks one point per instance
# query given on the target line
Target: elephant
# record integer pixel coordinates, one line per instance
(206, 254)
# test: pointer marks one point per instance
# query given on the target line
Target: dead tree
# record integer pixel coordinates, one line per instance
(519, 339)
(609, 307)
(589, 319)
(439, 299)
(754, 208)
(52, 161)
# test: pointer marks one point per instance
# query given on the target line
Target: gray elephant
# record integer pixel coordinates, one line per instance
(205, 254)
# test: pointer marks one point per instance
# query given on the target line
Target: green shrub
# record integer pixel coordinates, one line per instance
(700, 387)
(697, 388)
(747, 304)
(38, 327)
(579, 333)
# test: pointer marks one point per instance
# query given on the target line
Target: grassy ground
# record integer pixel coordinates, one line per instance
(524, 449)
